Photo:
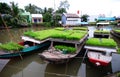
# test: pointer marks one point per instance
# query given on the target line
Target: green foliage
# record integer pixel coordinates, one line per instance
(63, 48)
(47, 17)
(119, 50)
(113, 23)
(101, 32)
(104, 42)
(118, 74)
(11, 46)
(33, 9)
(54, 33)
(4, 8)
(84, 18)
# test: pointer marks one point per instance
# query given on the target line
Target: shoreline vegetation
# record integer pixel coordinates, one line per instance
(61, 33)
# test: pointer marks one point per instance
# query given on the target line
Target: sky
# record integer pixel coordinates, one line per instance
(90, 7)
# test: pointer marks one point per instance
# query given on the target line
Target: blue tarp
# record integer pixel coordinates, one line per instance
(106, 18)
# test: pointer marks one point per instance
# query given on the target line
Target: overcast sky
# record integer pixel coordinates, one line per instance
(90, 7)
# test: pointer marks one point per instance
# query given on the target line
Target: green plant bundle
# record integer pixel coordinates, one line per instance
(101, 32)
(11, 46)
(103, 42)
(68, 49)
(119, 50)
(60, 28)
(80, 28)
(53, 33)
(118, 30)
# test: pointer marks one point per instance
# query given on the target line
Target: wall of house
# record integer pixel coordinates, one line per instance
(72, 21)
(37, 20)
(63, 19)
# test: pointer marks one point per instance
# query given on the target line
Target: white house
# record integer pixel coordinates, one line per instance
(37, 18)
(70, 19)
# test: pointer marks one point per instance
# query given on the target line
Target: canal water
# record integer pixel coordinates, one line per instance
(33, 66)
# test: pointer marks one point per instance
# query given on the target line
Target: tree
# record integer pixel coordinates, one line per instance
(64, 4)
(33, 9)
(4, 8)
(61, 10)
(84, 18)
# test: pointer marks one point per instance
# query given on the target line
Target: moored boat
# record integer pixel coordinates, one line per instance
(100, 51)
(56, 56)
(115, 33)
(28, 48)
(99, 56)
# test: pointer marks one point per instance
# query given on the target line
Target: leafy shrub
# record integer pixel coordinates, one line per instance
(67, 48)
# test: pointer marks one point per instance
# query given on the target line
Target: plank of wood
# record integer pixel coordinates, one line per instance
(3, 63)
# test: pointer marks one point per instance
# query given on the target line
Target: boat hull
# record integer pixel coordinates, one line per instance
(24, 51)
(98, 62)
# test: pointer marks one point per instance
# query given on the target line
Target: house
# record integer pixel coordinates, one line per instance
(37, 18)
(27, 16)
(70, 19)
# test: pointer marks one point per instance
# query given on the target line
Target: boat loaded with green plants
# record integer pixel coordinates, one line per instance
(101, 33)
(59, 53)
(99, 50)
(116, 33)
(12, 49)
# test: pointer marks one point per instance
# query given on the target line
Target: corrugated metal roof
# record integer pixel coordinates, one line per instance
(36, 15)
(70, 15)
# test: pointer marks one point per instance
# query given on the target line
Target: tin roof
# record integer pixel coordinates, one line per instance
(36, 15)
(71, 15)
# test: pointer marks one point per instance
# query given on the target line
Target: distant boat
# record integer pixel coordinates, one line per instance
(29, 47)
(99, 56)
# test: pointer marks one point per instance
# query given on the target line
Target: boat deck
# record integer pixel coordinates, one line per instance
(100, 48)
(54, 54)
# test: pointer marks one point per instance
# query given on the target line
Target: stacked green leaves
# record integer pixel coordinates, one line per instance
(57, 33)
(68, 49)
(101, 32)
(118, 30)
(103, 42)
(11, 46)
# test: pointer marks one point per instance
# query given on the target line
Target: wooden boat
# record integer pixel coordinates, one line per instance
(114, 33)
(101, 34)
(29, 47)
(55, 56)
(99, 56)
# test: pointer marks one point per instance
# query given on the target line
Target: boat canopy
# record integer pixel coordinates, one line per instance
(106, 19)
(103, 23)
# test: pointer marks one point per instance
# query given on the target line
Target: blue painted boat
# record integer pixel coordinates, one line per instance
(24, 51)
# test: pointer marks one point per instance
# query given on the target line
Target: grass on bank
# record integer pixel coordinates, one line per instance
(11, 46)
(65, 49)
(57, 33)
(103, 42)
